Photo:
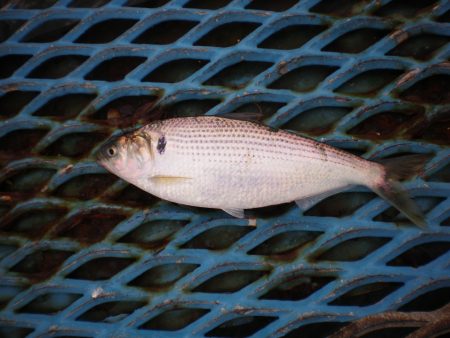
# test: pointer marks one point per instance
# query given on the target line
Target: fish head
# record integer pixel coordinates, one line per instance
(129, 156)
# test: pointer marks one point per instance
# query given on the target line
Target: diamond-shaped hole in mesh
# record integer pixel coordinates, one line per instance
(387, 125)
(344, 8)
(286, 244)
(428, 301)
(87, 3)
(420, 254)
(20, 141)
(340, 205)
(115, 69)
(57, 67)
(10, 63)
(175, 71)
(132, 196)
(65, 106)
(153, 234)
(369, 83)
(239, 75)
(316, 330)
(14, 331)
(276, 6)
(146, 3)
(111, 312)
(8, 292)
(434, 89)
(196, 107)
(101, 268)
(9, 27)
(218, 238)
(106, 31)
(29, 180)
(85, 186)
(352, 250)
(41, 264)
(420, 47)
(165, 32)
(50, 303)
(128, 108)
(75, 144)
(174, 319)
(89, 227)
(230, 281)
(303, 79)
(393, 215)
(34, 223)
(292, 37)
(212, 4)
(227, 35)
(12, 102)
(163, 276)
(266, 108)
(241, 327)
(317, 121)
(436, 130)
(356, 41)
(405, 8)
(297, 287)
(51, 30)
(367, 294)
(27, 4)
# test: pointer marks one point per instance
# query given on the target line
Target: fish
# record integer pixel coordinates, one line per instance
(236, 164)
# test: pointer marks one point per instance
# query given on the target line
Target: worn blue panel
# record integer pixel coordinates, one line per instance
(84, 254)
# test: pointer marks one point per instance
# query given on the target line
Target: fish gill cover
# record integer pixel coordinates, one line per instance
(84, 254)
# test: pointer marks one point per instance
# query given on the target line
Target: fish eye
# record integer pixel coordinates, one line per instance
(111, 151)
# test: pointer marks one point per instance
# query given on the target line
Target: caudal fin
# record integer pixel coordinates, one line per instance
(390, 189)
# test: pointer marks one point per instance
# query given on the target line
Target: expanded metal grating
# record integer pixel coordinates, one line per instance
(84, 254)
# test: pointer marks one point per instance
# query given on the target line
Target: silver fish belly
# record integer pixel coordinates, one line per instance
(233, 165)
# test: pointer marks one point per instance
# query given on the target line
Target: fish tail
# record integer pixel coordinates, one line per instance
(389, 187)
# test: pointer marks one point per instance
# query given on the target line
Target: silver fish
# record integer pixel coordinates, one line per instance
(228, 164)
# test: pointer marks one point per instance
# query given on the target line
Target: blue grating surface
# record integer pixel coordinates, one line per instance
(83, 254)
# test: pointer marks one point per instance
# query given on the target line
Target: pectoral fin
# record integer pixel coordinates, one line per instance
(169, 179)
(239, 213)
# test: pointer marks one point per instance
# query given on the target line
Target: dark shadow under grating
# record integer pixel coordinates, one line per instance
(292, 37)
(10, 63)
(241, 327)
(51, 30)
(175, 71)
(57, 67)
(303, 79)
(106, 31)
(165, 32)
(101, 268)
(227, 35)
(173, 320)
(115, 69)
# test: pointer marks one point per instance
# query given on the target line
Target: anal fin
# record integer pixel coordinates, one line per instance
(239, 213)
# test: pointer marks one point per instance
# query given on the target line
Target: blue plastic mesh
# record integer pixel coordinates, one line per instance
(85, 254)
